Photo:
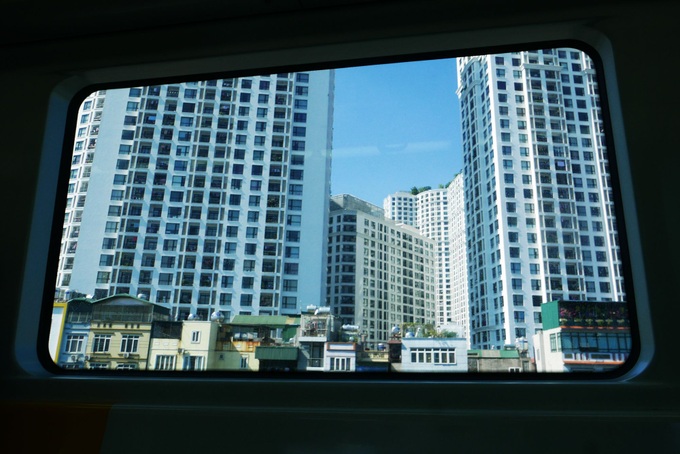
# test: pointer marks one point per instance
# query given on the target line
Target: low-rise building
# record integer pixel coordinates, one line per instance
(433, 355)
(57, 329)
(509, 359)
(317, 327)
(259, 343)
(109, 333)
(340, 357)
(165, 351)
(421, 348)
(580, 336)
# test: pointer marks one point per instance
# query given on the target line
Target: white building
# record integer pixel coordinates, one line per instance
(457, 311)
(204, 196)
(401, 207)
(340, 357)
(582, 337)
(439, 215)
(538, 200)
(433, 355)
(191, 346)
(432, 221)
(380, 273)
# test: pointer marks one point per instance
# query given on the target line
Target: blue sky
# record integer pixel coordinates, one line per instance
(395, 126)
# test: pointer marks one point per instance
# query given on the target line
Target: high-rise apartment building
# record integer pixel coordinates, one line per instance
(456, 310)
(432, 221)
(438, 214)
(380, 273)
(538, 198)
(401, 207)
(203, 195)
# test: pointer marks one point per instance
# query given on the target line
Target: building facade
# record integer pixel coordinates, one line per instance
(439, 215)
(432, 221)
(580, 336)
(432, 355)
(457, 310)
(538, 197)
(380, 273)
(204, 196)
(110, 333)
(401, 207)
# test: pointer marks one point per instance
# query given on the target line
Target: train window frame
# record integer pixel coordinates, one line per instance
(62, 119)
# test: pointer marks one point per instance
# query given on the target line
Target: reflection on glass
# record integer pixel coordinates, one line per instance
(203, 231)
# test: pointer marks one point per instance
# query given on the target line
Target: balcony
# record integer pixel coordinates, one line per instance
(593, 323)
(595, 357)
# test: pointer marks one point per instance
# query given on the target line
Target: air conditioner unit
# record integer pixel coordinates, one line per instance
(87, 357)
(74, 357)
(180, 350)
(126, 355)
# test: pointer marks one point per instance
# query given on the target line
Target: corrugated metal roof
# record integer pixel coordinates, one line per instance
(277, 353)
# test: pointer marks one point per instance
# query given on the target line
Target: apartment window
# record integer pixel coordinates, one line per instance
(101, 343)
(75, 343)
(165, 362)
(247, 300)
(291, 268)
(247, 282)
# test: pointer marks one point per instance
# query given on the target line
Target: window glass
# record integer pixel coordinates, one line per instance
(296, 227)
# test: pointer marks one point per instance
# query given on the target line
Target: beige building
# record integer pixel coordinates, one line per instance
(380, 273)
(239, 345)
(119, 331)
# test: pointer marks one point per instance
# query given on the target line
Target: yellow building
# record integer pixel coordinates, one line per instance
(57, 329)
(111, 333)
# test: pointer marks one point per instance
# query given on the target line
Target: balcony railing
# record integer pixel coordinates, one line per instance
(596, 357)
(594, 323)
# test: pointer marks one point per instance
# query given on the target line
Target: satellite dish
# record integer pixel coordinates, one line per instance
(192, 317)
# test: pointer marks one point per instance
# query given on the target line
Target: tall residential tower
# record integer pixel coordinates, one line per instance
(438, 214)
(380, 273)
(538, 198)
(203, 195)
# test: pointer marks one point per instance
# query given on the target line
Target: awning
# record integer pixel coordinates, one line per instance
(276, 353)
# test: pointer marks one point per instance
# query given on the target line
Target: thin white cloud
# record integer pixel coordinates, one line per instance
(355, 152)
(391, 149)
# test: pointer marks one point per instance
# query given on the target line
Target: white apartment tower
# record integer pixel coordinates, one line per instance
(205, 196)
(432, 221)
(538, 200)
(401, 207)
(457, 311)
(434, 212)
(380, 273)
